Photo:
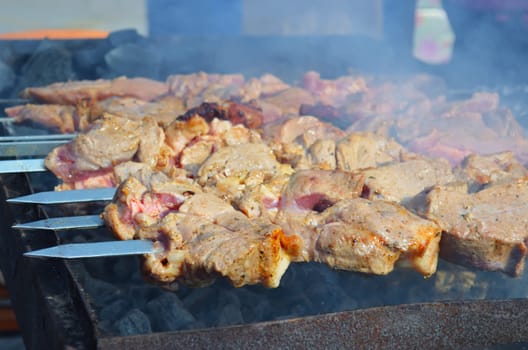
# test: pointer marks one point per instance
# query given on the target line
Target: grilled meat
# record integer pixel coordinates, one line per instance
(69, 118)
(73, 93)
(236, 113)
(65, 119)
(110, 141)
(479, 170)
(202, 235)
(487, 229)
(347, 232)
(401, 182)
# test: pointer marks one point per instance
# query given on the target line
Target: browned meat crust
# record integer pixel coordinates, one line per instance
(487, 229)
(236, 113)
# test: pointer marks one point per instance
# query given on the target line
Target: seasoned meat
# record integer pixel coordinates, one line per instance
(248, 176)
(110, 141)
(194, 140)
(73, 93)
(65, 119)
(487, 229)
(305, 130)
(369, 236)
(401, 182)
(202, 236)
(164, 110)
(365, 150)
(289, 101)
(333, 92)
(236, 113)
(310, 191)
(480, 170)
(201, 87)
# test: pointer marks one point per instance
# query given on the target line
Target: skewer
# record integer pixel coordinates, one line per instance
(29, 148)
(95, 250)
(22, 166)
(38, 137)
(72, 196)
(63, 223)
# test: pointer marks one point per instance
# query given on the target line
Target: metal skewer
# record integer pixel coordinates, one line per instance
(95, 250)
(72, 196)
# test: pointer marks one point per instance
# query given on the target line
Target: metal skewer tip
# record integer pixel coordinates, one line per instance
(95, 250)
(63, 223)
(72, 196)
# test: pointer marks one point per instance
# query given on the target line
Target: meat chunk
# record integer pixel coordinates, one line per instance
(371, 236)
(65, 119)
(310, 191)
(487, 230)
(73, 93)
(305, 130)
(236, 113)
(333, 92)
(401, 182)
(164, 110)
(365, 150)
(248, 176)
(202, 236)
(111, 140)
(479, 170)
(201, 87)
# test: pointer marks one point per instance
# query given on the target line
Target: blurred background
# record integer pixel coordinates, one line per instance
(431, 29)
(376, 19)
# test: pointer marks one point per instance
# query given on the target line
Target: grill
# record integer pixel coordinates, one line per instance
(105, 303)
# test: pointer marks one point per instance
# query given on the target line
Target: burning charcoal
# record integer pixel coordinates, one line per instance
(229, 315)
(133, 60)
(114, 310)
(134, 322)
(167, 313)
(7, 77)
(50, 63)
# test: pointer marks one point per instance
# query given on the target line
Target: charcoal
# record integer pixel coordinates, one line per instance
(253, 307)
(49, 64)
(133, 60)
(199, 298)
(114, 310)
(229, 315)
(124, 267)
(167, 313)
(102, 292)
(86, 60)
(227, 297)
(141, 294)
(124, 36)
(7, 77)
(134, 322)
